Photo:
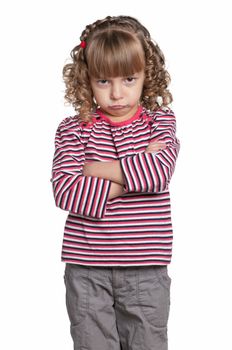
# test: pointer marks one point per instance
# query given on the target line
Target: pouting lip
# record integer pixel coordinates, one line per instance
(117, 106)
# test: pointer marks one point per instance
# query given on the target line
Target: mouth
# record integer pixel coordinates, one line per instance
(118, 107)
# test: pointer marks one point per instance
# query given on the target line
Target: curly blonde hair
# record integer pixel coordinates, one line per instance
(115, 46)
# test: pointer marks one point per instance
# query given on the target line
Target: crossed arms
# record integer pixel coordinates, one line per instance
(112, 170)
(84, 188)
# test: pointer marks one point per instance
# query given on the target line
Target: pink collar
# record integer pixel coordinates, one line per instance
(124, 122)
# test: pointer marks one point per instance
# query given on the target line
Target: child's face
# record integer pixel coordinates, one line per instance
(118, 97)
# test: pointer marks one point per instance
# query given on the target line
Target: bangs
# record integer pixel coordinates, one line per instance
(114, 54)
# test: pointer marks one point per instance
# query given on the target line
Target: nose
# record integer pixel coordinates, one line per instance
(116, 91)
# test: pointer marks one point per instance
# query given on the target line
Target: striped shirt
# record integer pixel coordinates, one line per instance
(134, 229)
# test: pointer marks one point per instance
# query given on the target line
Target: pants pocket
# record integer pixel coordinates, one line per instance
(154, 296)
(77, 298)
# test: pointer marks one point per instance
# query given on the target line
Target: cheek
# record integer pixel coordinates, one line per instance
(137, 93)
(100, 97)
(95, 93)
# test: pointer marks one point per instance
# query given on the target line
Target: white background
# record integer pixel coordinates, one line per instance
(36, 39)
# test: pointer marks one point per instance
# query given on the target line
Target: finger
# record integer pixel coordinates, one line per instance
(157, 147)
(157, 143)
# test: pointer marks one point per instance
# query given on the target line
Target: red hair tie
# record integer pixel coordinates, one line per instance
(83, 44)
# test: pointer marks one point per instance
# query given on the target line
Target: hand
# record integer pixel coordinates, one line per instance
(116, 190)
(87, 169)
(105, 170)
(155, 147)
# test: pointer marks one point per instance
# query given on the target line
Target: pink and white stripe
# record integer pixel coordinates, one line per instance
(136, 228)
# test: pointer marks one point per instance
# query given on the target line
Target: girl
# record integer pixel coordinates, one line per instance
(112, 166)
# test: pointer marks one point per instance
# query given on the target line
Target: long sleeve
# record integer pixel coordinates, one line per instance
(73, 191)
(152, 172)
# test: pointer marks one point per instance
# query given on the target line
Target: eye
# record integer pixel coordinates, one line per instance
(102, 81)
(130, 80)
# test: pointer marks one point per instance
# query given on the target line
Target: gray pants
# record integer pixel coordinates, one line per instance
(118, 308)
